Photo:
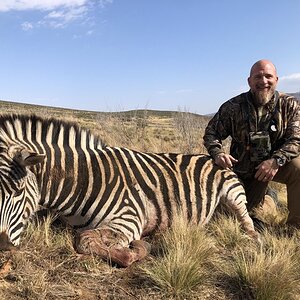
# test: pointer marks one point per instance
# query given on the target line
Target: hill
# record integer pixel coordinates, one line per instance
(143, 129)
(16, 107)
(297, 95)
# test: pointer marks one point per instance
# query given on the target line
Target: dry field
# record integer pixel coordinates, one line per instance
(186, 262)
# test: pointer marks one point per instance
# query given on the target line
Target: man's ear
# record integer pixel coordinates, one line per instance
(248, 81)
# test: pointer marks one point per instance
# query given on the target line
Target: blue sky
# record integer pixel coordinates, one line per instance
(114, 55)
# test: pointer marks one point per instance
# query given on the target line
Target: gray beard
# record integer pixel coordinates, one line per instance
(261, 98)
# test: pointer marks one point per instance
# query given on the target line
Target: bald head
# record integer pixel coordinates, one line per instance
(261, 65)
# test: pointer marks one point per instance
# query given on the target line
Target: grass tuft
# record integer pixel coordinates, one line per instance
(187, 255)
(271, 273)
(227, 232)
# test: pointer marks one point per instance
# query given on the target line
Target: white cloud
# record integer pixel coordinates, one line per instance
(27, 26)
(7, 5)
(291, 77)
(60, 18)
(289, 83)
(58, 13)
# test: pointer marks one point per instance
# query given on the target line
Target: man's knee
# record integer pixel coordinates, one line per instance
(290, 172)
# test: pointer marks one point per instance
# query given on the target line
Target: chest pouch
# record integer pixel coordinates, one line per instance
(260, 146)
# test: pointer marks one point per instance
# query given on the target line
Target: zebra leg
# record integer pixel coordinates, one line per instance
(240, 210)
(109, 245)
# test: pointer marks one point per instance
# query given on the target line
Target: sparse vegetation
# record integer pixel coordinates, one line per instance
(187, 261)
(268, 273)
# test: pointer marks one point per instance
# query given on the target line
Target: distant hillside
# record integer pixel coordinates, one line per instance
(143, 129)
(154, 118)
(16, 107)
(297, 95)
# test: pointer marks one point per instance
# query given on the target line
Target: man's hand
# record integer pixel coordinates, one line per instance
(266, 170)
(225, 161)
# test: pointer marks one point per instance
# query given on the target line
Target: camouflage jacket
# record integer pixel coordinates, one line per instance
(279, 118)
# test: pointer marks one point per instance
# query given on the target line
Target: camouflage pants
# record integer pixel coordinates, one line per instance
(289, 175)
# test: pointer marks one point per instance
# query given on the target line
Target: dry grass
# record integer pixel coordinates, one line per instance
(272, 272)
(187, 262)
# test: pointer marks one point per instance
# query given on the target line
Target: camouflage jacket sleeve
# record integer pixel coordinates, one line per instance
(289, 142)
(217, 130)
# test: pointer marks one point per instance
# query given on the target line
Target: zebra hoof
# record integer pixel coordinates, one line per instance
(142, 247)
(256, 237)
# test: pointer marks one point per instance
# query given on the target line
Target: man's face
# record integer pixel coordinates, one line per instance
(262, 81)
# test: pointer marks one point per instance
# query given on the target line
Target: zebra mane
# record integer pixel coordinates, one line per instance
(46, 122)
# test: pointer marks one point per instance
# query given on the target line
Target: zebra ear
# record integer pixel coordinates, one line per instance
(25, 157)
(29, 158)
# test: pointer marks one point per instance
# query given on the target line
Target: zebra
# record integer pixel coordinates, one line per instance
(111, 196)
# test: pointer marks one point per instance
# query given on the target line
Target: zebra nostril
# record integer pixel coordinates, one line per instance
(5, 243)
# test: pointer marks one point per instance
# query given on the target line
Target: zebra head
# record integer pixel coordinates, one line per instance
(19, 193)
